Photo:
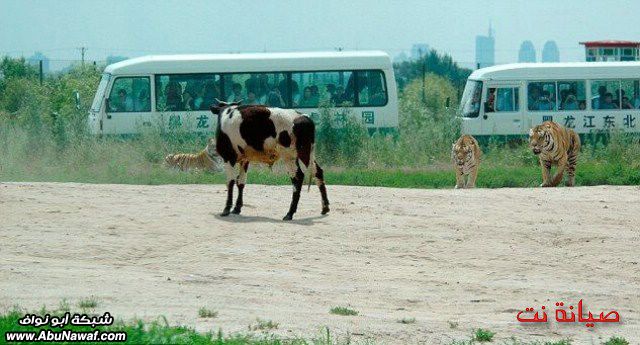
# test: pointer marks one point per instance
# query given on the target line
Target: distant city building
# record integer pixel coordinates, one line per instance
(114, 58)
(550, 52)
(611, 50)
(35, 61)
(419, 50)
(485, 50)
(527, 52)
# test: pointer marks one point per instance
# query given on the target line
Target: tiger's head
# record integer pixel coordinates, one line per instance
(210, 149)
(462, 152)
(538, 138)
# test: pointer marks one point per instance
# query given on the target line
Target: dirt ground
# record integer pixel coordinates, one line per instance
(454, 260)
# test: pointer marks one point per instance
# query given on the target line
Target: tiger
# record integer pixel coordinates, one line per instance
(465, 154)
(555, 145)
(206, 160)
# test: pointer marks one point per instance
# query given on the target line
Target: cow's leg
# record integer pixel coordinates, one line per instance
(323, 188)
(297, 177)
(230, 172)
(242, 179)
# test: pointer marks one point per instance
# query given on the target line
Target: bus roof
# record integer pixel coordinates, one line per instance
(253, 62)
(563, 70)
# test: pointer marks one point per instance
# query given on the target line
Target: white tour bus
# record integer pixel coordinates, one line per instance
(589, 97)
(175, 91)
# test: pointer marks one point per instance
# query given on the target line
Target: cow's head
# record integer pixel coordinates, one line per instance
(220, 106)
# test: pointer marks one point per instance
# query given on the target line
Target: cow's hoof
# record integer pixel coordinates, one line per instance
(236, 210)
(288, 217)
(224, 213)
(325, 210)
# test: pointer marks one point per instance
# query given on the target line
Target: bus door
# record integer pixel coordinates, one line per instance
(128, 106)
(503, 113)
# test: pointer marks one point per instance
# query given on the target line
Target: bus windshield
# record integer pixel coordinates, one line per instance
(470, 104)
(97, 100)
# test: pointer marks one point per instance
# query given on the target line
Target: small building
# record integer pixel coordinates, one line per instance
(612, 50)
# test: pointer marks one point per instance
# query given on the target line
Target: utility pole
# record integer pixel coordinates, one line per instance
(41, 71)
(82, 51)
(423, 60)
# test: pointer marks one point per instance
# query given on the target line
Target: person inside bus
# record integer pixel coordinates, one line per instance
(338, 98)
(570, 102)
(142, 101)
(491, 101)
(582, 105)
(251, 98)
(274, 98)
(607, 103)
(602, 91)
(377, 94)
(125, 103)
(307, 100)
(236, 94)
(544, 102)
(173, 94)
(534, 96)
(626, 104)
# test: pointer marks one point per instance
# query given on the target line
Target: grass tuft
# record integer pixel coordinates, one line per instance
(616, 341)
(88, 303)
(483, 335)
(344, 311)
(207, 313)
(263, 325)
(407, 320)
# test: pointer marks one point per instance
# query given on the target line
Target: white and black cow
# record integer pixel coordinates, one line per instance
(255, 133)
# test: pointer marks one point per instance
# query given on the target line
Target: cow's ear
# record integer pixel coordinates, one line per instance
(215, 109)
(236, 103)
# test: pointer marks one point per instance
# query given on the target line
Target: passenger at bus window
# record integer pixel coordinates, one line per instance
(377, 95)
(198, 101)
(295, 92)
(607, 103)
(491, 101)
(142, 101)
(251, 84)
(544, 103)
(626, 104)
(125, 103)
(187, 100)
(236, 94)
(570, 102)
(338, 98)
(274, 99)
(263, 87)
(211, 92)
(563, 98)
(251, 98)
(308, 100)
(582, 105)
(534, 96)
(602, 91)
(173, 95)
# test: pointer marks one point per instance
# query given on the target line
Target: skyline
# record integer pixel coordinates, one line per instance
(134, 28)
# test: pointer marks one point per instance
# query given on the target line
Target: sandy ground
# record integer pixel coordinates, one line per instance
(454, 260)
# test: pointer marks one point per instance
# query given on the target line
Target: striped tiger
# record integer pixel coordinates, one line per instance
(465, 154)
(555, 145)
(206, 160)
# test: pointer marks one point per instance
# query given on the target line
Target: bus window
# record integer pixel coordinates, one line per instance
(470, 103)
(178, 92)
(372, 91)
(572, 95)
(603, 93)
(628, 94)
(541, 96)
(130, 94)
(336, 88)
(506, 100)
(257, 88)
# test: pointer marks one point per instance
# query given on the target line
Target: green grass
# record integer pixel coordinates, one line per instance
(616, 341)
(483, 335)
(263, 325)
(88, 303)
(344, 311)
(207, 313)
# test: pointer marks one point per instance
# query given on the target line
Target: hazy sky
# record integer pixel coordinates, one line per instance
(139, 27)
